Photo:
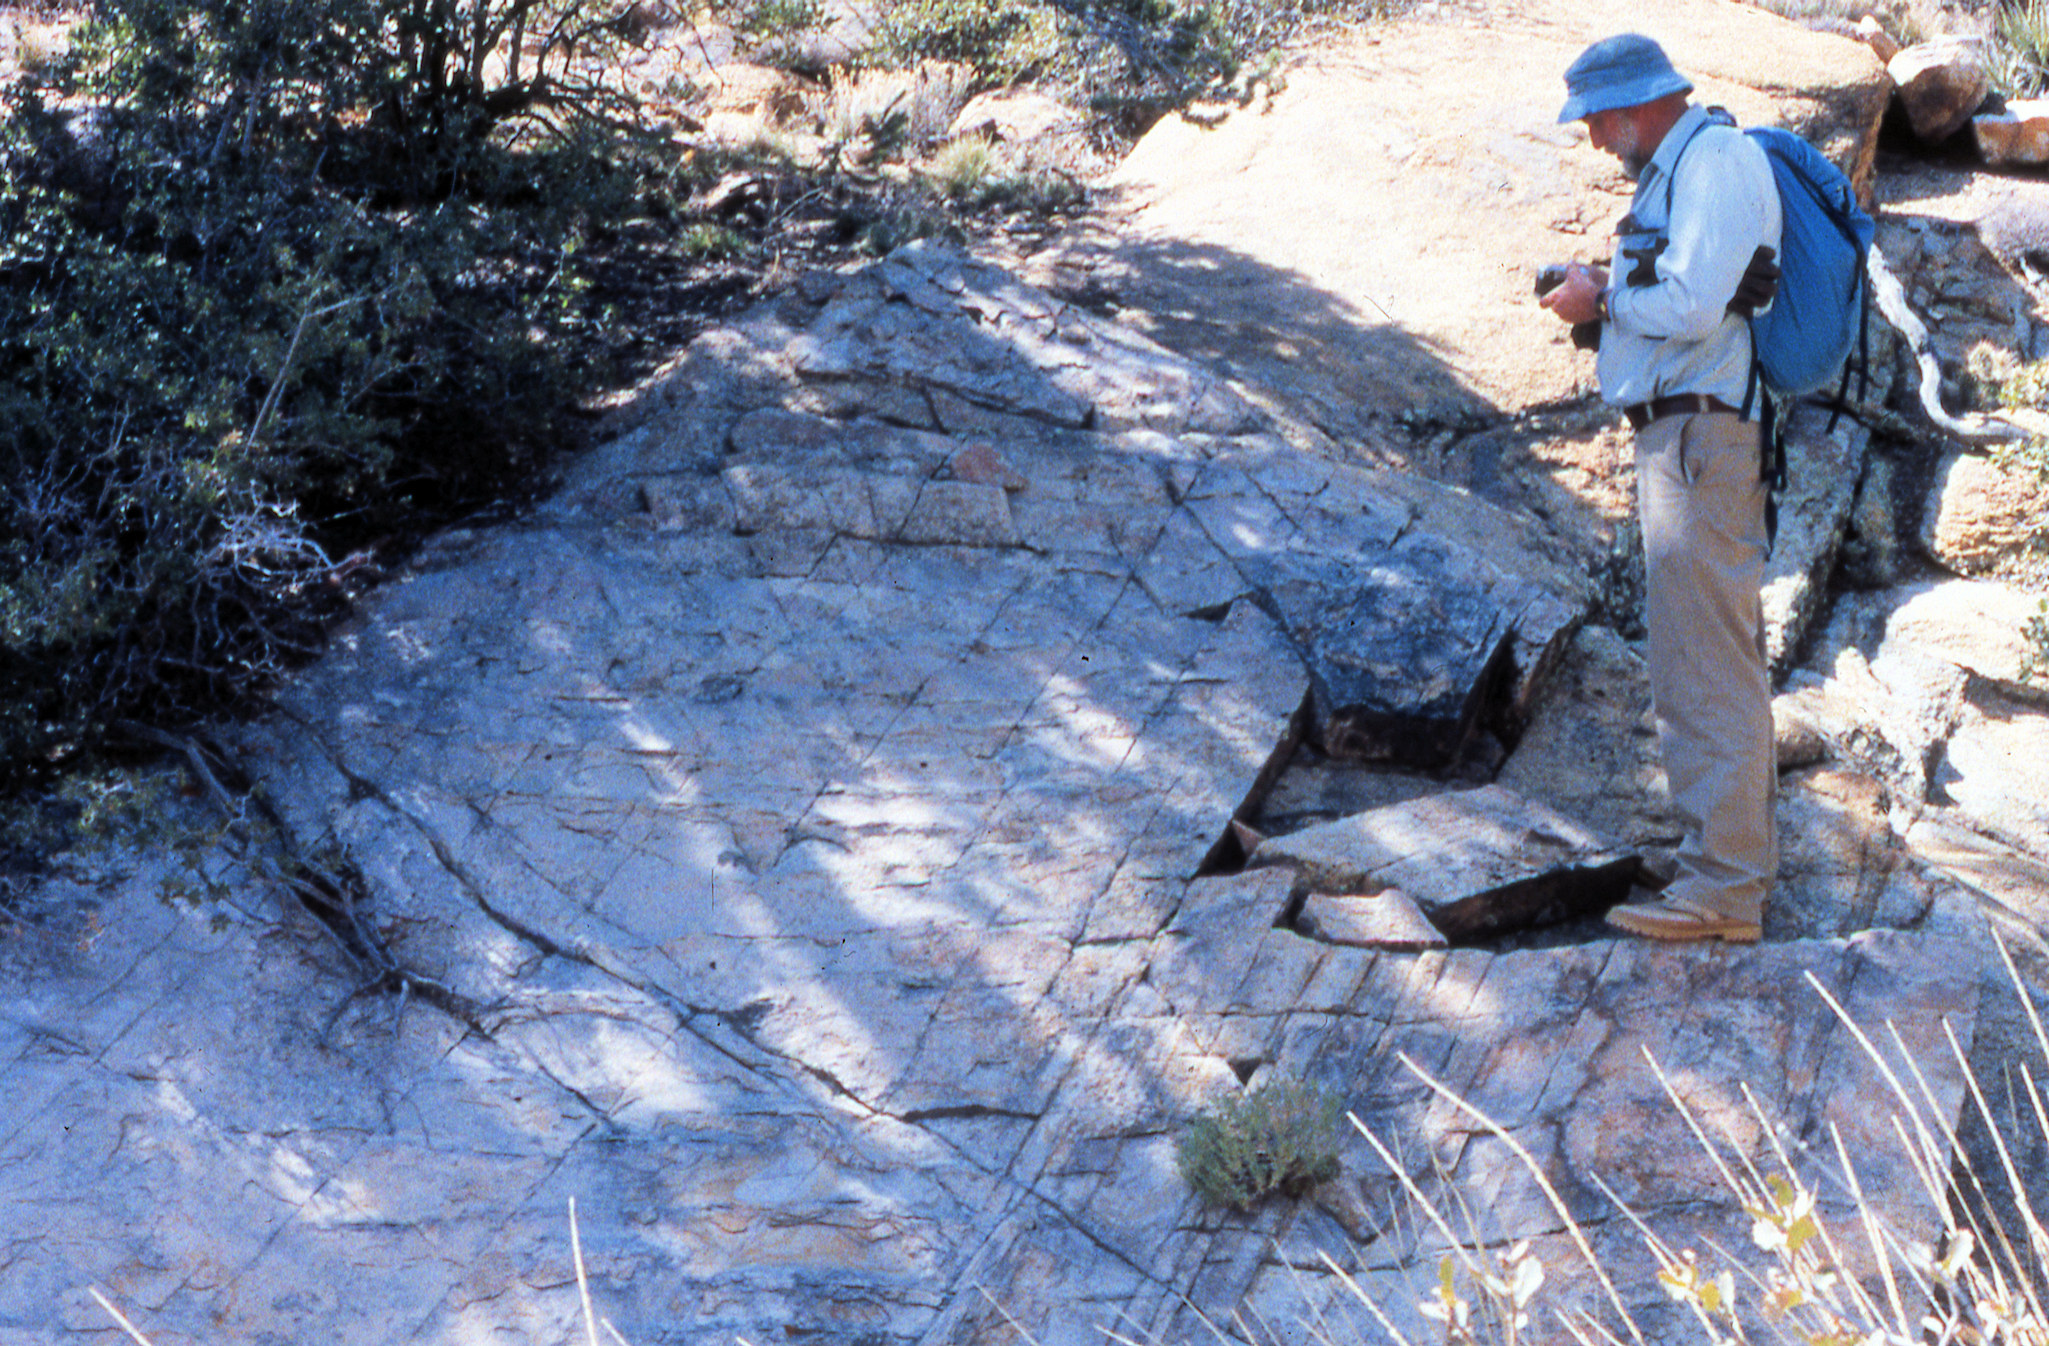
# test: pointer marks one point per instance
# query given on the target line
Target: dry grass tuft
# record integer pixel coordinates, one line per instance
(1980, 1282)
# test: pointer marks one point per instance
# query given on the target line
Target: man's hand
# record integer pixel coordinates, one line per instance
(1578, 299)
(1759, 284)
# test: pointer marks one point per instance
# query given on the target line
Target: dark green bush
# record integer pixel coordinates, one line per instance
(279, 280)
(275, 280)
(1005, 40)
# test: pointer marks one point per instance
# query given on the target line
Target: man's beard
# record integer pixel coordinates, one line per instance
(1630, 152)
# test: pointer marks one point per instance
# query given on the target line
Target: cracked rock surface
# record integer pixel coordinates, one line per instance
(807, 843)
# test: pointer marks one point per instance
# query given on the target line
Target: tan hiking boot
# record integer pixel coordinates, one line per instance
(1679, 918)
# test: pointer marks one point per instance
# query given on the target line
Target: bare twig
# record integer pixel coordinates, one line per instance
(134, 1333)
(583, 1285)
(1891, 298)
(195, 762)
(277, 384)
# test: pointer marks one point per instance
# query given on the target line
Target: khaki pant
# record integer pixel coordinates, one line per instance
(1702, 507)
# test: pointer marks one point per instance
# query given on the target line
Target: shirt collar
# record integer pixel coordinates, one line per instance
(1673, 145)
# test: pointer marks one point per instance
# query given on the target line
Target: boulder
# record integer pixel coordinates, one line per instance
(1016, 115)
(1409, 648)
(1925, 687)
(1985, 517)
(1801, 727)
(2014, 879)
(767, 94)
(1994, 771)
(1591, 749)
(1823, 466)
(1886, 704)
(1975, 625)
(1414, 643)
(2015, 138)
(1878, 544)
(1941, 83)
(1843, 868)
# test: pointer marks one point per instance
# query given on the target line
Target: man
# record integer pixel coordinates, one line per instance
(1676, 356)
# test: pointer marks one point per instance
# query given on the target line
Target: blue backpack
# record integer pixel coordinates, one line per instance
(1818, 314)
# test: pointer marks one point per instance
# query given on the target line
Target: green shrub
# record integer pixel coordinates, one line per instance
(1998, 377)
(274, 280)
(1032, 193)
(710, 242)
(1005, 40)
(776, 18)
(1281, 1138)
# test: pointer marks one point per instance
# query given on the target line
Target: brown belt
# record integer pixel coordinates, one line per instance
(1682, 404)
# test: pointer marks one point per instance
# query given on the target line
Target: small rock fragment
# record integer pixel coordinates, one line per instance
(1014, 115)
(981, 464)
(1873, 34)
(1389, 919)
(1797, 729)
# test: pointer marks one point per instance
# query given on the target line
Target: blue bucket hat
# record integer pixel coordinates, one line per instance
(1620, 71)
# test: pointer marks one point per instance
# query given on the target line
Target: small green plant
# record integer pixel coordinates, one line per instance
(2020, 29)
(1279, 1138)
(901, 222)
(1033, 192)
(2035, 635)
(710, 243)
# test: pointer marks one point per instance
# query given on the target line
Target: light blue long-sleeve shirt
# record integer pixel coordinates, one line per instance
(1668, 328)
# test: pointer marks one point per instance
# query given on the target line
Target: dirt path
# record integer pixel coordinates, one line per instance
(1365, 238)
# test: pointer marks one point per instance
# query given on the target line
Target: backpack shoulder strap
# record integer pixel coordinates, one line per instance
(1716, 116)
